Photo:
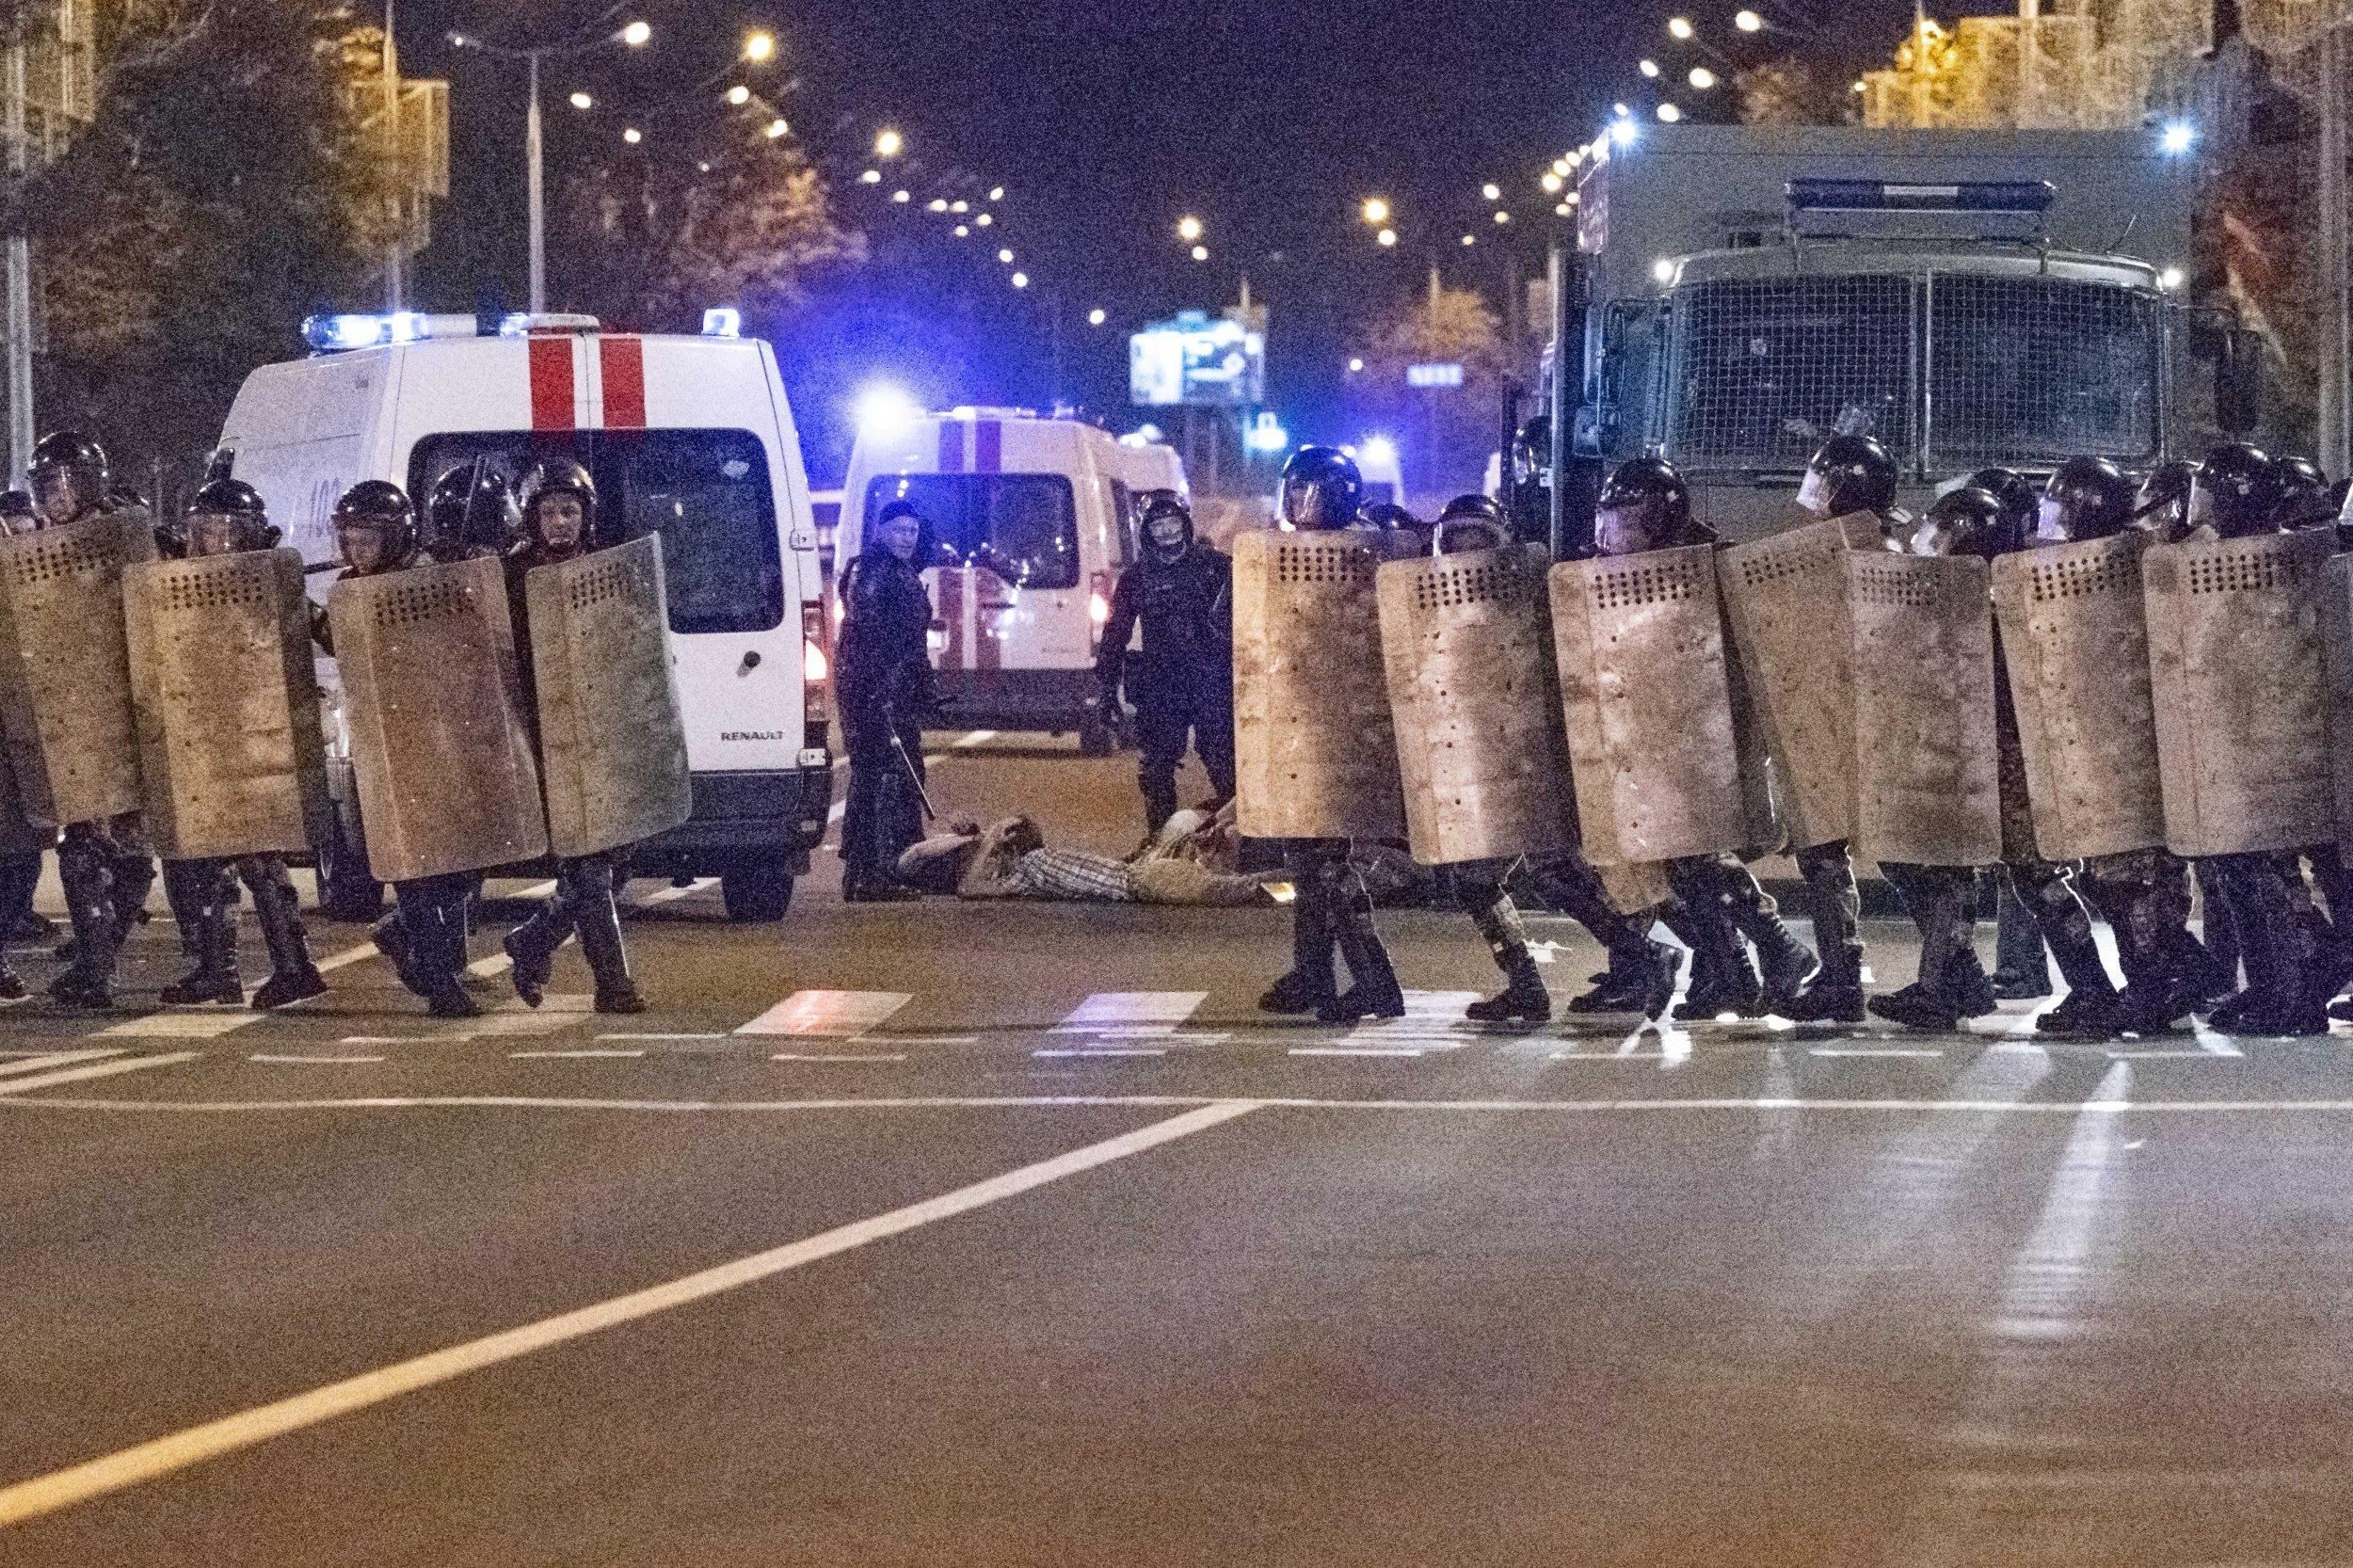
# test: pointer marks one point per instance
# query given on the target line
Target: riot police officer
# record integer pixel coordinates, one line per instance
(1331, 910)
(107, 867)
(225, 517)
(1645, 505)
(376, 527)
(471, 511)
(560, 523)
(1854, 473)
(883, 677)
(1181, 680)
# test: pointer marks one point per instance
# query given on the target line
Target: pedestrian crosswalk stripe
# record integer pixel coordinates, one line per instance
(81, 1071)
(1428, 1015)
(41, 1061)
(1131, 1015)
(832, 1014)
(206, 1025)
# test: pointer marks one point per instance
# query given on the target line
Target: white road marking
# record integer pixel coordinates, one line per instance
(978, 738)
(1100, 1050)
(1870, 1050)
(1131, 1015)
(95, 1478)
(834, 1015)
(859, 1056)
(933, 1039)
(563, 1055)
(671, 895)
(37, 1062)
(181, 1026)
(349, 956)
(95, 1070)
(665, 1036)
(310, 1061)
(1355, 1050)
(1428, 1014)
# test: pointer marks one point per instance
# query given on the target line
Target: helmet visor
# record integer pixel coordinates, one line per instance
(1814, 492)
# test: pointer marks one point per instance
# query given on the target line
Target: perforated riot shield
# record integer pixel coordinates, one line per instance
(2336, 628)
(1315, 752)
(1926, 791)
(432, 700)
(2239, 678)
(612, 746)
(1479, 745)
(1785, 609)
(1639, 643)
(230, 751)
(65, 676)
(2076, 645)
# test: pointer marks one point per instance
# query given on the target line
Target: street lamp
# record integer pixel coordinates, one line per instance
(632, 136)
(1004, 258)
(1670, 113)
(739, 95)
(1387, 238)
(1492, 191)
(1020, 280)
(1680, 29)
(1376, 210)
(1200, 252)
(637, 34)
(760, 48)
(1649, 69)
(777, 128)
(1189, 228)
(1749, 22)
(889, 144)
(1701, 78)
(1096, 317)
(581, 101)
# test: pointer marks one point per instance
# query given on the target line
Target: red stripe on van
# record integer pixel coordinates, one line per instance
(950, 446)
(551, 384)
(988, 442)
(623, 363)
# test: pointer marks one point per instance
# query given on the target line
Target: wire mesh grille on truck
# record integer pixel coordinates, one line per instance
(2039, 369)
(1765, 370)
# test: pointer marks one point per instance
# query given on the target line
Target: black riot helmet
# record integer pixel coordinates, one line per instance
(67, 476)
(2236, 493)
(1645, 505)
(1470, 521)
(2304, 494)
(2020, 496)
(470, 510)
(225, 516)
(1849, 473)
(559, 476)
(16, 512)
(1971, 521)
(1165, 528)
(2087, 498)
(2162, 507)
(377, 527)
(1322, 489)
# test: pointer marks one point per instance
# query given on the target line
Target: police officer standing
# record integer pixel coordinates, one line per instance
(471, 511)
(560, 523)
(1181, 680)
(883, 678)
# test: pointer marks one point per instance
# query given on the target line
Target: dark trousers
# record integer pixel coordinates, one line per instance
(1478, 886)
(106, 872)
(1834, 904)
(1568, 882)
(1166, 722)
(1942, 901)
(1332, 918)
(883, 815)
(203, 899)
(430, 929)
(583, 901)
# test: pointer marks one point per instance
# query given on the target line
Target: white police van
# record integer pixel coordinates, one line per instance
(689, 438)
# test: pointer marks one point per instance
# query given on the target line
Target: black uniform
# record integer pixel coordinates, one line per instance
(883, 679)
(1181, 681)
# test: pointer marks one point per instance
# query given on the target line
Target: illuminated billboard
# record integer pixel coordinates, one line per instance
(1196, 360)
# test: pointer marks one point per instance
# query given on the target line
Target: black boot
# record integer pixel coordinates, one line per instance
(1373, 992)
(215, 978)
(1523, 999)
(599, 926)
(87, 981)
(1918, 1006)
(292, 975)
(1309, 985)
(1789, 970)
(1640, 982)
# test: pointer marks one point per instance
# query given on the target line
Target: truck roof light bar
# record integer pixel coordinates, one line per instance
(1974, 196)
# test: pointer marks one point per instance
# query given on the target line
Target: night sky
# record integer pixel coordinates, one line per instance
(1105, 123)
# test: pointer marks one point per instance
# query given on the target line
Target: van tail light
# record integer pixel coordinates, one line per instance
(816, 667)
(1098, 607)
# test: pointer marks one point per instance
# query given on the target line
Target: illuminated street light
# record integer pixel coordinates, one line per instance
(1552, 183)
(936, 204)
(889, 144)
(1470, 239)
(900, 197)
(1189, 228)
(1749, 22)
(581, 101)
(1020, 280)
(1386, 237)
(1503, 217)
(996, 193)
(637, 34)
(1562, 165)
(1701, 78)
(872, 177)
(1492, 191)
(739, 95)
(632, 135)
(1649, 69)
(1669, 113)
(984, 221)
(1679, 28)
(1376, 210)
(964, 230)
(1005, 257)
(1355, 367)
(1561, 209)
(1200, 252)
(959, 207)
(760, 48)
(777, 128)
(1096, 317)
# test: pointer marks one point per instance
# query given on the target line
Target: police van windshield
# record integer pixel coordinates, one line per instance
(704, 491)
(1024, 527)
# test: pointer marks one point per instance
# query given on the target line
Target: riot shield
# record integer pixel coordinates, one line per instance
(612, 746)
(230, 750)
(65, 676)
(2076, 644)
(1926, 792)
(2239, 679)
(1479, 746)
(1315, 752)
(1639, 643)
(432, 699)
(2336, 628)
(1785, 608)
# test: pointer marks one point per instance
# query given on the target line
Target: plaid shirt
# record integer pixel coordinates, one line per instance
(1072, 874)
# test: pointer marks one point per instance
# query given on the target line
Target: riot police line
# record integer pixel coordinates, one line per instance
(507, 690)
(2092, 689)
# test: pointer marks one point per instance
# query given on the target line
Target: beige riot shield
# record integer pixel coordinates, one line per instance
(1785, 609)
(2239, 678)
(612, 746)
(1314, 750)
(2076, 644)
(1479, 745)
(1926, 790)
(1639, 643)
(432, 699)
(65, 675)
(230, 750)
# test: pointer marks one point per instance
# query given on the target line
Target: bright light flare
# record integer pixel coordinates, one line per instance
(1680, 29)
(889, 144)
(1386, 238)
(637, 34)
(1189, 228)
(1376, 211)
(760, 48)
(1749, 22)
(1098, 316)
(884, 410)
(581, 101)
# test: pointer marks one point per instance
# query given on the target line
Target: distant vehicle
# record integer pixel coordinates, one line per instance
(1385, 479)
(689, 438)
(1028, 521)
(1969, 297)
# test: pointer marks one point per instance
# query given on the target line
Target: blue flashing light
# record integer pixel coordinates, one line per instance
(1265, 434)
(886, 412)
(723, 321)
(406, 326)
(1623, 133)
(2178, 138)
(340, 335)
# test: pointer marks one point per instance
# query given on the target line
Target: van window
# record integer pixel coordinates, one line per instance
(1124, 520)
(1024, 527)
(704, 491)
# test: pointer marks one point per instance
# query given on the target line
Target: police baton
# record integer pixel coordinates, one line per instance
(914, 778)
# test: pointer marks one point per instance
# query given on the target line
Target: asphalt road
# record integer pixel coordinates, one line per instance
(1012, 1235)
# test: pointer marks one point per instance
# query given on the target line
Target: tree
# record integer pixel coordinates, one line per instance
(1444, 432)
(220, 193)
(1785, 90)
(652, 242)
